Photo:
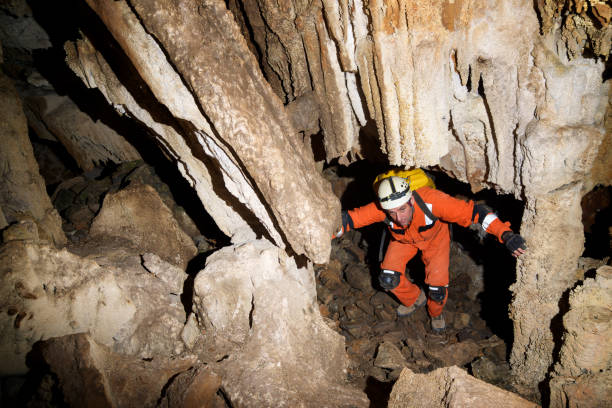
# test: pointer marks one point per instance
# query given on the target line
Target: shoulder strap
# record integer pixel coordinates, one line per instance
(426, 210)
(423, 207)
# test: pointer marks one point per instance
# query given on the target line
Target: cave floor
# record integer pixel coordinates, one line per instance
(379, 344)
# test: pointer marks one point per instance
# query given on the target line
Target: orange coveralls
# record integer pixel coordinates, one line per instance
(431, 237)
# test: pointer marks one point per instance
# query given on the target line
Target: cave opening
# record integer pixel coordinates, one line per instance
(479, 330)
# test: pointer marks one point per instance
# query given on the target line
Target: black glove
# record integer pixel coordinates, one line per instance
(388, 280)
(513, 241)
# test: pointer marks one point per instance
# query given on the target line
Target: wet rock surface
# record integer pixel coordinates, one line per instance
(380, 344)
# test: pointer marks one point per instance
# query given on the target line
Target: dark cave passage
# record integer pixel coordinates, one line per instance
(597, 220)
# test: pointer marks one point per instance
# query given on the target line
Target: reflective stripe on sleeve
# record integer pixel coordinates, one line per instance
(488, 220)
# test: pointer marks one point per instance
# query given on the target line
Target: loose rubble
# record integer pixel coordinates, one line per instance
(380, 344)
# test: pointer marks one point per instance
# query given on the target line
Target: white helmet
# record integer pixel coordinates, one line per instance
(393, 192)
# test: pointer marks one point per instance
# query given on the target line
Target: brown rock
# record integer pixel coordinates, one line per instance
(90, 374)
(461, 320)
(196, 388)
(389, 356)
(454, 354)
(128, 213)
(22, 190)
(358, 276)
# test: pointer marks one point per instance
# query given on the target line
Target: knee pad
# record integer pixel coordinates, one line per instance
(388, 280)
(437, 293)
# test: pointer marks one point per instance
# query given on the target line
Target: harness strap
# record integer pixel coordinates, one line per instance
(426, 210)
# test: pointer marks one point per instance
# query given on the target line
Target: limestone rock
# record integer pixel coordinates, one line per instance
(245, 115)
(22, 191)
(90, 374)
(49, 293)
(89, 142)
(22, 231)
(171, 275)
(138, 214)
(389, 356)
(196, 388)
(583, 375)
(450, 388)
(260, 309)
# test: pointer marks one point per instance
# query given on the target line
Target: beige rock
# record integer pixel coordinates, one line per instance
(583, 375)
(88, 142)
(450, 388)
(259, 309)
(49, 293)
(90, 374)
(137, 214)
(171, 275)
(22, 191)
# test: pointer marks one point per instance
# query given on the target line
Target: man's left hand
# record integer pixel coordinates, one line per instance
(515, 243)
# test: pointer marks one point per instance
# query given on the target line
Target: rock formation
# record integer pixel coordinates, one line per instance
(582, 375)
(450, 387)
(258, 309)
(22, 192)
(51, 293)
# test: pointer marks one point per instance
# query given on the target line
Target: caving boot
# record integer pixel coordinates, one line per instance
(438, 324)
(403, 311)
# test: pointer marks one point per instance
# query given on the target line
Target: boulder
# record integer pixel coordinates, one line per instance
(260, 311)
(358, 276)
(92, 375)
(389, 356)
(46, 293)
(450, 387)
(138, 214)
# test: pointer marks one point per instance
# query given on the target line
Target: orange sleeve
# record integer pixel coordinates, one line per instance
(366, 215)
(451, 209)
(448, 208)
(497, 228)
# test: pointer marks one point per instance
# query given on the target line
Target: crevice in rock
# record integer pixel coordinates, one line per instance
(597, 221)
(481, 92)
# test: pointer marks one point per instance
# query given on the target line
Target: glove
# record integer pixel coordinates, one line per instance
(513, 241)
(388, 280)
(347, 225)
